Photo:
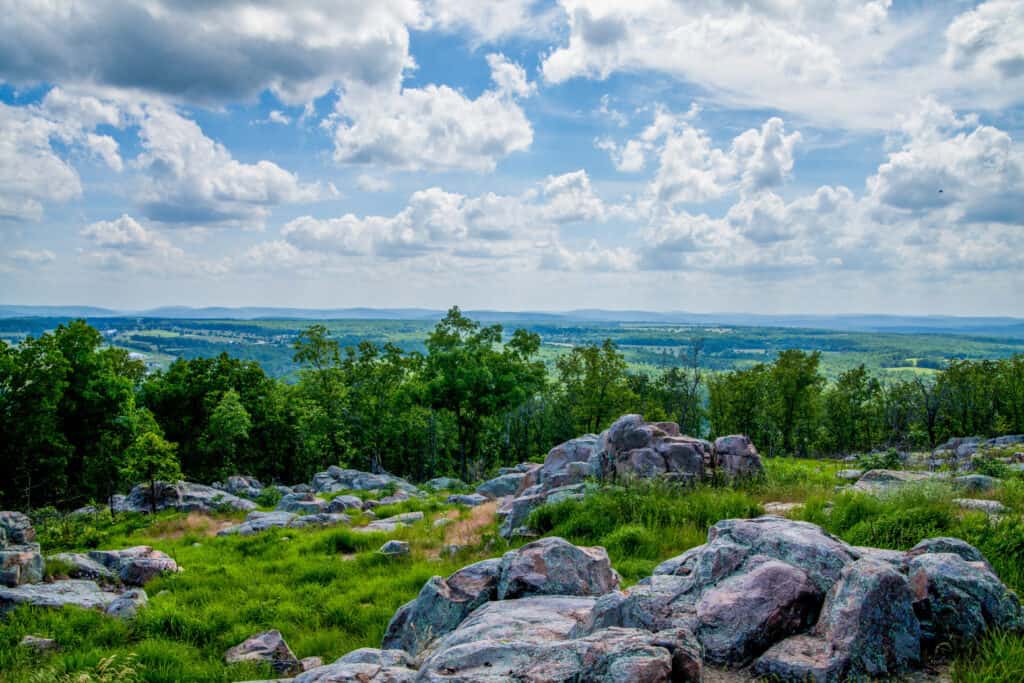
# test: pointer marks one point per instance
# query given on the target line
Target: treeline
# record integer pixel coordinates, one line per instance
(80, 421)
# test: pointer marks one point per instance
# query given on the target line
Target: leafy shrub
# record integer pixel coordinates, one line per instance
(882, 460)
(987, 464)
(632, 540)
(112, 669)
(269, 497)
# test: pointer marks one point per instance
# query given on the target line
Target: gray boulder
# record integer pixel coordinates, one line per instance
(394, 549)
(38, 645)
(976, 483)
(127, 604)
(886, 481)
(390, 524)
(441, 606)
(246, 487)
(301, 503)
(16, 528)
(21, 564)
(255, 522)
(366, 670)
(320, 519)
(957, 600)
(444, 484)
(183, 497)
(990, 507)
(339, 479)
(553, 566)
(344, 504)
(501, 486)
(736, 457)
(569, 462)
(135, 566)
(76, 592)
(81, 566)
(267, 647)
(946, 544)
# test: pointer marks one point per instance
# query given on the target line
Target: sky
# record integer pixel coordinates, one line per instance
(766, 156)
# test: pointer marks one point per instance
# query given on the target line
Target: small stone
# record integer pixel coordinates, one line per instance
(991, 507)
(38, 645)
(395, 549)
(308, 663)
(127, 605)
(268, 647)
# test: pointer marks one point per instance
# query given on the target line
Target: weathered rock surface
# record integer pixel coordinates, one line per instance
(501, 486)
(469, 499)
(301, 503)
(976, 483)
(255, 522)
(268, 647)
(182, 496)
(38, 645)
(339, 479)
(127, 604)
(76, 592)
(16, 528)
(344, 503)
(444, 484)
(81, 566)
(135, 566)
(245, 487)
(736, 457)
(553, 566)
(21, 564)
(394, 549)
(389, 524)
(885, 481)
(991, 507)
(320, 519)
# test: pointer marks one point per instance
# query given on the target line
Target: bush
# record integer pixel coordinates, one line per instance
(884, 460)
(986, 464)
(269, 497)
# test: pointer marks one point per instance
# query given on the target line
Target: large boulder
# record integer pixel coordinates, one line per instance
(245, 487)
(127, 604)
(76, 592)
(16, 528)
(569, 462)
(344, 504)
(255, 522)
(553, 566)
(390, 524)
(736, 457)
(441, 606)
(183, 497)
(468, 499)
(81, 566)
(886, 481)
(268, 647)
(21, 564)
(339, 479)
(958, 600)
(135, 566)
(365, 665)
(976, 483)
(301, 503)
(503, 485)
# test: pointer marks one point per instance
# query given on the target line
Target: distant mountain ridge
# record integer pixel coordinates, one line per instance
(938, 324)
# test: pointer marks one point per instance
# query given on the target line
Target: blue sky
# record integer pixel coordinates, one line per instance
(715, 155)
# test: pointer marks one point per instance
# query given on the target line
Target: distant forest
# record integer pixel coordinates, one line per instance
(81, 419)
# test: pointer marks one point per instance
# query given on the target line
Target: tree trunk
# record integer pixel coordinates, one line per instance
(152, 495)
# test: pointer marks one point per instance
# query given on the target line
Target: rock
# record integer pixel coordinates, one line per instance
(76, 592)
(320, 519)
(441, 606)
(84, 511)
(976, 483)
(515, 515)
(850, 475)
(268, 647)
(553, 566)
(308, 663)
(444, 484)
(504, 485)
(301, 503)
(256, 522)
(991, 507)
(38, 645)
(21, 564)
(127, 605)
(743, 615)
(569, 462)
(389, 524)
(802, 659)
(394, 549)
(343, 504)
(441, 522)
(957, 600)
(736, 456)
(780, 509)
(135, 566)
(246, 487)
(338, 479)
(945, 544)
(885, 481)
(183, 497)
(342, 671)
(470, 499)
(16, 528)
(371, 655)
(397, 497)
(81, 566)
(285, 490)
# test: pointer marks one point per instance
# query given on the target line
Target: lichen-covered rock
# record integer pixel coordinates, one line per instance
(81, 566)
(946, 544)
(267, 647)
(356, 672)
(76, 592)
(255, 522)
(183, 497)
(246, 487)
(343, 504)
(16, 528)
(569, 462)
(441, 606)
(885, 481)
(127, 604)
(135, 566)
(553, 566)
(20, 564)
(394, 549)
(501, 486)
(958, 600)
(742, 616)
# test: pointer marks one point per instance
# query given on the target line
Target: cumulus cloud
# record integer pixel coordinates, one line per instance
(124, 244)
(435, 126)
(692, 169)
(216, 51)
(492, 20)
(191, 179)
(593, 258)
(369, 183)
(988, 41)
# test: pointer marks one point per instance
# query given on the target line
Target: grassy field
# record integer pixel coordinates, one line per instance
(329, 591)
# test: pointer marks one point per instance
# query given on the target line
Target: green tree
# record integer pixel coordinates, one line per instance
(595, 384)
(324, 395)
(680, 389)
(227, 430)
(851, 412)
(152, 459)
(796, 390)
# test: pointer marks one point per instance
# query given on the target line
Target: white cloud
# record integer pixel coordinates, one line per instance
(215, 51)
(492, 20)
(191, 179)
(32, 257)
(31, 172)
(988, 41)
(570, 198)
(593, 258)
(124, 244)
(436, 126)
(369, 183)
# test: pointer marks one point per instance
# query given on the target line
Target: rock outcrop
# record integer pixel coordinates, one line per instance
(630, 448)
(182, 496)
(20, 559)
(256, 522)
(338, 479)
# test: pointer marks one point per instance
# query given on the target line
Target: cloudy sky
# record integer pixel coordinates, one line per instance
(707, 155)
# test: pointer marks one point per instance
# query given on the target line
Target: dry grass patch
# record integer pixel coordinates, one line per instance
(468, 530)
(192, 523)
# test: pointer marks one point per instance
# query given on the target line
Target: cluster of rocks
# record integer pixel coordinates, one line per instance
(256, 522)
(630, 448)
(24, 568)
(338, 479)
(959, 452)
(781, 599)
